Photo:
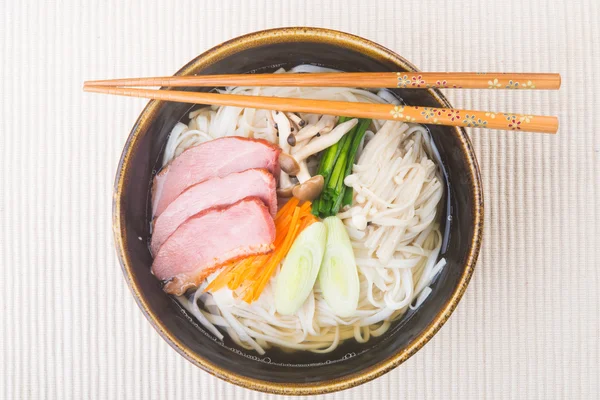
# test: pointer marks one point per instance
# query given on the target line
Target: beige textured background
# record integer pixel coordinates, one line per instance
(528, 326)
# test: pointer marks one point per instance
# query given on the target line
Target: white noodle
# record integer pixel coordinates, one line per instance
(397, 189)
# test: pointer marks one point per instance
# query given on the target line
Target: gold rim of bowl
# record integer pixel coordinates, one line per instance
(285, 35)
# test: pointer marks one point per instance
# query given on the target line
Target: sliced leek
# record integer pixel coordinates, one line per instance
(338, 277)
(300, 269)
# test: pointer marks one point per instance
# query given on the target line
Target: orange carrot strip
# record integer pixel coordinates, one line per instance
(238, 275)
(277, 257)
(266, 271)
(251, 275)
(305, 207)
(256, 287)
(288, 207)
(221, 279)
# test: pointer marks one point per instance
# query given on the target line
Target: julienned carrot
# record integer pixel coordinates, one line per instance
(274, 261)
(288, 207)
(304, 208)
(251, 275)
(241, 272)
(276, 258)
(221, 279)
(276, 254)
(236, 272)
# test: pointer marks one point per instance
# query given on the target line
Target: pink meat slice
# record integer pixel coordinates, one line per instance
(211, 238)
(211, 193)
(215, 158)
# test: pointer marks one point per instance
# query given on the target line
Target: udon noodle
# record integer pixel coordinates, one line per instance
(392, 225)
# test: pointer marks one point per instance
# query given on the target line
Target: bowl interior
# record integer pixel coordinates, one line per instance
(142, 159)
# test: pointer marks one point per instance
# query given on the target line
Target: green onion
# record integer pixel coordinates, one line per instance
(336, 164)
(336, 181)
(320, 205)
(330, 156)
(315, 206)
(347, 200)
(337, 204)
(300, 269)
(338, 277)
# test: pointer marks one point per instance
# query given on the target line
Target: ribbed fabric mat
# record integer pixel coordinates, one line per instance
(529, 324)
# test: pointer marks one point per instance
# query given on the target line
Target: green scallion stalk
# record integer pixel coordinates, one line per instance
(333, 187)
(348, 194)
(330, 156)
(337, 204)
(325, 169)
(315, 206)
(336, 164)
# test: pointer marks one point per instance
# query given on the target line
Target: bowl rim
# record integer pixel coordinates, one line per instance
(284, 35)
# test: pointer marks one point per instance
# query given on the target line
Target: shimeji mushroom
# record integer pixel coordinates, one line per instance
(294, 164)
(303, 174)
(322, 126)
(310, 118)
(301, 153)
(283, 125)
(271, 122)
(299, 122)
(310, 189)
(288, 164)
(295, 124)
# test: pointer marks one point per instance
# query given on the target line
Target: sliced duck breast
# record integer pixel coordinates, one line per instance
(211, 193)
(215, 158)
(211, 238)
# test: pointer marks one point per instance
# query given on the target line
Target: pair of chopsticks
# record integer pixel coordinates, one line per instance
(406, 80)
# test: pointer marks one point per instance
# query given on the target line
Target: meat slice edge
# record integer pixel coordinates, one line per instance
(212, 238)
(212, 193)
(215, 158)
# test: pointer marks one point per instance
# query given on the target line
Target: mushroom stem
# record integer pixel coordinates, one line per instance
(329, 122)
(302, 175)
(324, 125)
(307, 133)
(295, 119)
(311, 119)
(283, 125)
(323, 142)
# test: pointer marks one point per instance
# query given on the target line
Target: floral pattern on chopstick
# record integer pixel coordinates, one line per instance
(471, 119)
(403, 81)
(417, 81)
(526, 118)
(397, 112)
(494, 84)
(428, 112)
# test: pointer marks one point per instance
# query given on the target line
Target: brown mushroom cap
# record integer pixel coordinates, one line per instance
(286, 192)
(291, 140)
(310, 189)
(288, 164)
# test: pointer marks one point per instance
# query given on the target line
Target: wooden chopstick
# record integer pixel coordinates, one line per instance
(412, 80)
(421, 115)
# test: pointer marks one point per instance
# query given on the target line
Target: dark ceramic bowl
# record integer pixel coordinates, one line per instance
(300, 372)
